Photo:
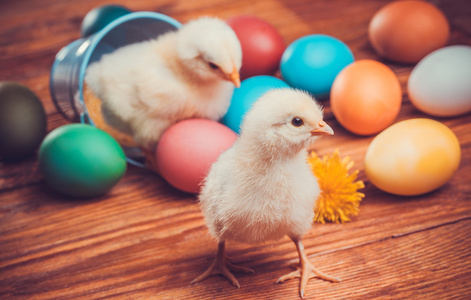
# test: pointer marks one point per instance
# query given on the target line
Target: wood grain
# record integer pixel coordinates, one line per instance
(146, 240)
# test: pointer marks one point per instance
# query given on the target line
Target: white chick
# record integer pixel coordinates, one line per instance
(188, 73)
(262, 188)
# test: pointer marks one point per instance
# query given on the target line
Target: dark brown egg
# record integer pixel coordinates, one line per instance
(23, 121)
(406, 31)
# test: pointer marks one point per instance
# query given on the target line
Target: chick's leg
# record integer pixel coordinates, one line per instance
(221, 265)
(305, 270)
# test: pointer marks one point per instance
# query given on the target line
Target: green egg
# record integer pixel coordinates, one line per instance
(23, 122)
(80, 160)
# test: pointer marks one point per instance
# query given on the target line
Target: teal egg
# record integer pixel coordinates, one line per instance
(80, 160)
(312, 62)
(96, 19)
(244, 97)
(23, 121)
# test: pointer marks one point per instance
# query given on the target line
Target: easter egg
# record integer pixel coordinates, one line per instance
(440, 84)
(412, 157)
(262, 45)
(311, 63)
(80, 160)
(366, 97)
(23, 121)
(243, 98)
(406, 31)
(99, 17)
(187, 150)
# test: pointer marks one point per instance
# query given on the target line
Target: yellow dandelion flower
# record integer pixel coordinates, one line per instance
(339, 198)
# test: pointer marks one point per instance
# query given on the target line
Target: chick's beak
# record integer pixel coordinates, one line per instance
(322, 129)
(234, 77)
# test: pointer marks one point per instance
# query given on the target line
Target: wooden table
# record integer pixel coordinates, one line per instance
(146, 240)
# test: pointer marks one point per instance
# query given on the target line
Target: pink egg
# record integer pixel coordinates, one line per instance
(187, 150)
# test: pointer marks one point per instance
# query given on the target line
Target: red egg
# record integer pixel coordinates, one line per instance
(262, 45)
(187, 150)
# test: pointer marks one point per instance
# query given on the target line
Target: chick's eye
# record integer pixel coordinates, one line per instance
(213, 66)
(297, 122)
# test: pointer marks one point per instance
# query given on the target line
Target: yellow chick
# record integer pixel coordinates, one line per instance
(148, 86)
(262, 188)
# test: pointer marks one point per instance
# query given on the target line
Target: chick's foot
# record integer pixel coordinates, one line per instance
(222, 266)
(305, 270)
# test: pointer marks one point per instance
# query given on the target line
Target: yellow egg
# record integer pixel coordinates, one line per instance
(413, 157)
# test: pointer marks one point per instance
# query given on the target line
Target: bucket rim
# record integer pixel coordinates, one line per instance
(63, 52)
(98, 36)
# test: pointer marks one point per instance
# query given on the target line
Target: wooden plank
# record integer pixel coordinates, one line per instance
(395, 266)
(47, 234)
(404, 267)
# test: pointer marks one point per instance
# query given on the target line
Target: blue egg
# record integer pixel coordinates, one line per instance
(250, 90)
(312, 62)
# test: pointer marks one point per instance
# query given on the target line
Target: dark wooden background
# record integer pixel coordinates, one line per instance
(146, 240)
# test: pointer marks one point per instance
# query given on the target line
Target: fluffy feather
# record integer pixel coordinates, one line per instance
(148, 86)
(262, 188)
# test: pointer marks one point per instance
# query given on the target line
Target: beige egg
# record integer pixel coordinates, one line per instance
(413, 157)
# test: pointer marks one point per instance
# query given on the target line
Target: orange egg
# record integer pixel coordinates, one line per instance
(366, 97)
(406, 31)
